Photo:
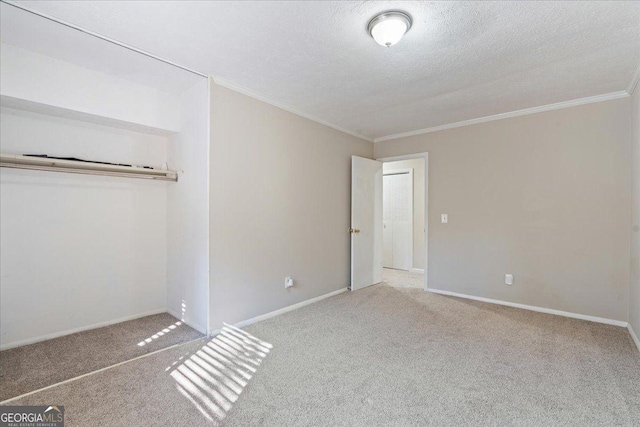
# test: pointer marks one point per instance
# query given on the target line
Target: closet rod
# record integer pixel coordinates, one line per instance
(69, 166)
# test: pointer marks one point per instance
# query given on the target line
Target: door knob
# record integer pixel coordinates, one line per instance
(354, 230)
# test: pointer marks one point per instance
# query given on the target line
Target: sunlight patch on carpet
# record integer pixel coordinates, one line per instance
(213, 377)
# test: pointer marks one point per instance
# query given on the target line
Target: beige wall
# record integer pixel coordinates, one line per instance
(545, 197)
(279, 206)
(634, 288)
(418, 204)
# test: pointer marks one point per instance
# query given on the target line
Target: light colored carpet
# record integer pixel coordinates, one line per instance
(379, 356)
(402, 279)
(34, 366)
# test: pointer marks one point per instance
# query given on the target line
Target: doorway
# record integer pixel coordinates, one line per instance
(404, 189)
(369, 254)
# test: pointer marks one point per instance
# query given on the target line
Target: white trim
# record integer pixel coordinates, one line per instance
(222, 82)
(634, 81)
(605, 97)
(417, 270)
(194, 325)
(526, 111)
(99, 370)
(248, 92)
(173, 313)
(219, 81)
(275, 313)
(634, 336)
(424, 155)
(287, 309)
(80, 329)
(533, 308)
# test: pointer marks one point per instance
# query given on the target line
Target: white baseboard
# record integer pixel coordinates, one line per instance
(194, 325)
(282, 310)
(634, 336)
(534, 308)
(417, 270)
(80, 329)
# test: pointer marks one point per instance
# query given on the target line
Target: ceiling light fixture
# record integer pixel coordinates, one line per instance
(388, 28)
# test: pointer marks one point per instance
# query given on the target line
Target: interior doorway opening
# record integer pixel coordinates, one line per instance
(405, 220)
(403, 217)
(406, 227)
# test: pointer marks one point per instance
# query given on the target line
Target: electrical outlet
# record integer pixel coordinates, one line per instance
(508, 279)
(444, 218)
(288, 282)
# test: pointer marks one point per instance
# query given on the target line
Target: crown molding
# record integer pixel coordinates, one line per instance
(217, 80)
(634, 80)
(526, 111)
(240, 89)
(243, 90)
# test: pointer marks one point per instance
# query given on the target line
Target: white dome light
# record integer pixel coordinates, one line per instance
(388, 28)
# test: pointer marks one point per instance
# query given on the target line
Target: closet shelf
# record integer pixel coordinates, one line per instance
(87, 168)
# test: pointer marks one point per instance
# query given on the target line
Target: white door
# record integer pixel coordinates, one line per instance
(366, 222)
(398, 220)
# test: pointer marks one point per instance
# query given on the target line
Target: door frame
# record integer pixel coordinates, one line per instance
(425, 156)
(407, 171)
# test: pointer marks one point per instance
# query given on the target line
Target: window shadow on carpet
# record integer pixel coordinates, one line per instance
(213, 377)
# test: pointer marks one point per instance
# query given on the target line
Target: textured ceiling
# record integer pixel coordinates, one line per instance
(460, 61)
